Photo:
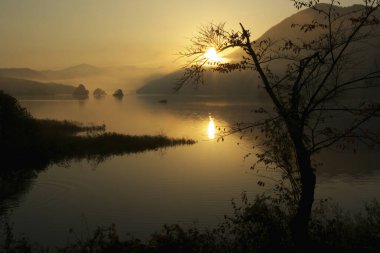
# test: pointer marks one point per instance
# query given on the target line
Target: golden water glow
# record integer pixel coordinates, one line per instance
(212, 56)
(211, 130)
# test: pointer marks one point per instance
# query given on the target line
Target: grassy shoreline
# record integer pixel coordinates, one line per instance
(29, 143)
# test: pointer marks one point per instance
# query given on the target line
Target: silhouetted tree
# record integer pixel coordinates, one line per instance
(317, 87)
(81, 92)
(99, 93)
(14, 119)
(118, 93)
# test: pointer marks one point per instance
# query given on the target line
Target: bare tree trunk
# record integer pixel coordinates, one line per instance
(303, 215)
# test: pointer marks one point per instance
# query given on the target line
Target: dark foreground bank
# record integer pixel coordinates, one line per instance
(262, 225)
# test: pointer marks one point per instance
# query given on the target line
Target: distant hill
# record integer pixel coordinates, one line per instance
(82, 70)
(22, 73)
(128, 78)
(246, 82)
(27, 88)
(67, 73)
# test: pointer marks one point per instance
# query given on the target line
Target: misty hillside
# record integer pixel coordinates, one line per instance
(245, 83)
(236, 84)
(127, 78)
(82, 70)
(22, 73)
(27, 88)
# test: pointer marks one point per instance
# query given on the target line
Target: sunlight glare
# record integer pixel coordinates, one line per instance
(211, 130)
(212, 56)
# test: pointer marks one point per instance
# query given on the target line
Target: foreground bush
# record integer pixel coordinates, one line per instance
(262, 225)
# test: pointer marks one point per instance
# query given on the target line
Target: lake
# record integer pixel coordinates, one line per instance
(184, 184)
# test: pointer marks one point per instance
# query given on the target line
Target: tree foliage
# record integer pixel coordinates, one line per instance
(80, 92)
(12, 117)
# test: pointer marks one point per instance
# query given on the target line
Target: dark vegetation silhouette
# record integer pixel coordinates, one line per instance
(99, 93)
(320, 93)
(81, 92)
(259, 225)
(118, 94)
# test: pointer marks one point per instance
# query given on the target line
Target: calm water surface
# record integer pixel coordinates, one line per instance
(185, 184)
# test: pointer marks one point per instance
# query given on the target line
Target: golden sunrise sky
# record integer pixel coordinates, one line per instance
(52, 34)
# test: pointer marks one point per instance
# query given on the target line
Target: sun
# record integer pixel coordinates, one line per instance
(212, 56)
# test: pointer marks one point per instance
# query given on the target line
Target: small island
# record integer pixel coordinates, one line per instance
(118, 93)
(81, 92)
(99, 93)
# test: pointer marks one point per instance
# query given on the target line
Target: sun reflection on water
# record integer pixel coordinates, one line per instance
(211, 130)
